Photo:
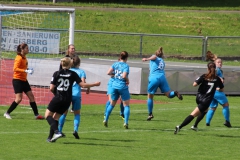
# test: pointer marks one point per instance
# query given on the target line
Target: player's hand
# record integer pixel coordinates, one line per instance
(144, 59)
(88, 91)
(29, 70)
(97, 83)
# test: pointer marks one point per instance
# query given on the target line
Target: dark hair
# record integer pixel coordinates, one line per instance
(211, 71)
(159, 52)
(21, 47)
(76, 61)
(123, 55)
(210, 56)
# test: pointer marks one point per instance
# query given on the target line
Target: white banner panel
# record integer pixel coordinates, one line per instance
(38, 42)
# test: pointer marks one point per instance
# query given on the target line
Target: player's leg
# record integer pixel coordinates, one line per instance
(121, 109)
(212, 108)
(114, 97)
(199, 118)
(76, 103)
(62, 120)
(163, 85)
(18, 90)
(125, 95)
(28, 92)
(222, 99)
(153, 84)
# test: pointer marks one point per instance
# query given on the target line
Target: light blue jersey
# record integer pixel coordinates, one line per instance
(219, 72)
(157, 66)
(119, 68)
(109, 85)
(157, 77)
(76, 90)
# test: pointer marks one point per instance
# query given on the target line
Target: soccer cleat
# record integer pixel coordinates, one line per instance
(56, 136)
(125, 126)
(194, 128)
(150, 117)
(122, 116)
(6, 115)
(72, 111)
(39, 117)
(75, 134)
(178, 95)
(50, 141)
(105, 123)
(177, 129)
(227, 124)
(207, 124)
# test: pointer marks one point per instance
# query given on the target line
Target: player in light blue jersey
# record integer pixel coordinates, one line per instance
(76, 98)
(219, 97)
(119, 88)
(109, 89)
(157, 79)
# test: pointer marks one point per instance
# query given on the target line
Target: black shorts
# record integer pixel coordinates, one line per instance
(59, 105)
(20, 86)
(203, 101)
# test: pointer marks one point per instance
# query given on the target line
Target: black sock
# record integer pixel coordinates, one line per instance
(199, 118)
(34, 108)
(51, 133)
(12, 107)
(52, 123)
(187, 120)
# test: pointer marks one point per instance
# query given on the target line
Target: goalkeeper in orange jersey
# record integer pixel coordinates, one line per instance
(20, 82)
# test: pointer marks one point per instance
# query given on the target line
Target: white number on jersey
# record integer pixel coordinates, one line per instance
(118, 74)
(161, 65)
(211, 86)
(64, 84)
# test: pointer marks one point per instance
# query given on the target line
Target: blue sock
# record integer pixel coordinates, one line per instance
(226, 113)
(171, 94)
(126, 114)
(209, 116)
(76, 122)
(150, 105)
(107, 104)
(121, 109)
(61, 122)
(108, 112)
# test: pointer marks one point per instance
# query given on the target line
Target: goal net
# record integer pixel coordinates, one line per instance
(48, 32)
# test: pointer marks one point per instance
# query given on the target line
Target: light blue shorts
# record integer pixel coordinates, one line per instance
(155, 82)
(116, 93)
(219, 97)
(76, 103)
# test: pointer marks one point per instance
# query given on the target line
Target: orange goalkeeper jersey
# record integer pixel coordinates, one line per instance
(20, 65)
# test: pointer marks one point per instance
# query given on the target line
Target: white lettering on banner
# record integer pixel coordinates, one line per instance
(38, 42)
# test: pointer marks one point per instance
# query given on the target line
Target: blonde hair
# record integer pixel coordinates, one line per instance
(66, 62)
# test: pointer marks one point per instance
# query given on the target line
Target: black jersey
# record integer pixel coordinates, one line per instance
(208, 87)
(63, 81)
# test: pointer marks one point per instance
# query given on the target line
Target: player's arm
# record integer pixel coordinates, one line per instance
(52, 88)
(84, 81)
(153, 57)
(16, 67)
(198, 81)
(110, 72)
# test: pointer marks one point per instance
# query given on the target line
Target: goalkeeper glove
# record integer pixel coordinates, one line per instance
(29, 70)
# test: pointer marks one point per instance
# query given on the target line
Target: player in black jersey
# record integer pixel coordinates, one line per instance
(208, 83)
(61, 86)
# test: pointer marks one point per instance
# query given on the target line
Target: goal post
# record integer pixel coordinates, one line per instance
(48, 32)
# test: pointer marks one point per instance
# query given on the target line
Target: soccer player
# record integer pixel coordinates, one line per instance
(61, 86)
(109, 89)
(76, 98)
(70, 53)
(119, 88)
(219, 97)
(20, 82)
(208, 83)
(157, 80)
